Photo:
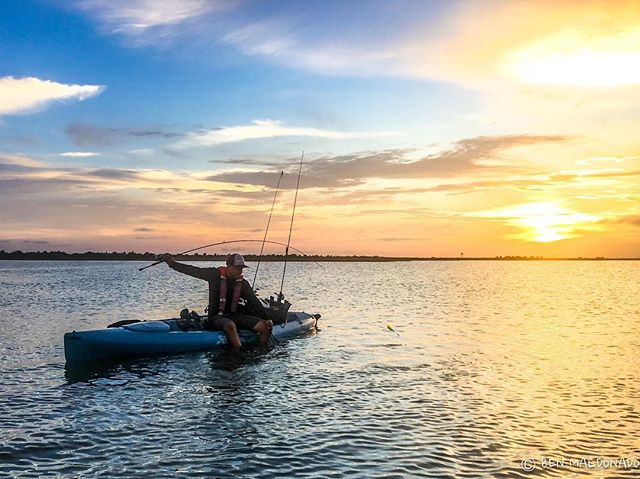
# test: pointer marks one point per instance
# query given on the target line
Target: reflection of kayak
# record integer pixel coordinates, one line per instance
(151, 338)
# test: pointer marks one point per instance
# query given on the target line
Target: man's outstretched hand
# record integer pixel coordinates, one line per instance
(165, 258)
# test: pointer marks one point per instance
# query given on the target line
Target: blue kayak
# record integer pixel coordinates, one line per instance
(160, 337)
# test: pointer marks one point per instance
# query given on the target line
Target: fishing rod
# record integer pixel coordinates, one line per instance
(266, 230)
(293, 214)
(227, 242)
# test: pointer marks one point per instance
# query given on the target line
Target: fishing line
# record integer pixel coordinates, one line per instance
(229, 242)
(266, 230)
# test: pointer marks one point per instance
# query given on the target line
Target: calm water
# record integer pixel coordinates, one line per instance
(495, 363)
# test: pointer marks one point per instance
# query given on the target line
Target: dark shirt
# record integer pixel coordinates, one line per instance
(212, 276)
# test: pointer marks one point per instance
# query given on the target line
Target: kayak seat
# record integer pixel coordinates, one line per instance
(148, 327)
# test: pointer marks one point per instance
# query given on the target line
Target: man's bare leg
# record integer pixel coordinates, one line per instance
(263, 328)
(232, 334)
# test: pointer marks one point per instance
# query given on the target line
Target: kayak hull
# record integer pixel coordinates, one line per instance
(152, 340)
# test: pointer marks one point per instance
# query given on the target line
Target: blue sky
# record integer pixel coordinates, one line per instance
(437, 121)
(188, 79)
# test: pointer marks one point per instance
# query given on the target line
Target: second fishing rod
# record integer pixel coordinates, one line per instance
(293, 214)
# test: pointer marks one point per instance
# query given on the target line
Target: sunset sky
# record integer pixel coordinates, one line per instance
(429, 128)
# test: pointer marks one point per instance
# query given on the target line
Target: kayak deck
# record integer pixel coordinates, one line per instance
(161, 337)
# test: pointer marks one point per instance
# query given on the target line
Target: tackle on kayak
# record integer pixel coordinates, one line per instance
(235, 314)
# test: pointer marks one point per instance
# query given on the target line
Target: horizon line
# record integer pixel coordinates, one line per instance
(136, 256)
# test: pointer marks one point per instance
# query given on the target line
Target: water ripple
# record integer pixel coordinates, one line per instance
(494, 363)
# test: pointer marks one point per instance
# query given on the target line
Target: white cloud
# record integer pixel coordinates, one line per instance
(267, 37)
(136, 17)
(141, 151)
(277, 37)
(260, 129)
(546, 42)
(23, 95)
(278, 41)
(573, 58)
(474, 44)
(606, 159)
(79, 154)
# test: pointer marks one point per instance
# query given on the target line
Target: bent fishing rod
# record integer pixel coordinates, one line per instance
(227, 242)
(267, 230)
(293, 214)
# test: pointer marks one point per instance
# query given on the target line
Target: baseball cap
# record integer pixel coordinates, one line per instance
(236, 259)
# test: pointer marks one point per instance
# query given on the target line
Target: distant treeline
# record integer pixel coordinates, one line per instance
(133, 256)
(150, 257)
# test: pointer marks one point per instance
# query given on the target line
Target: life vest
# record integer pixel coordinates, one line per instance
(237, 287)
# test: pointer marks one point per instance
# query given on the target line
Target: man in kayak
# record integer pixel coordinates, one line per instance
(226, 287)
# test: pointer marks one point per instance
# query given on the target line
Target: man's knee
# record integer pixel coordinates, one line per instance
(230, 327)
(262, 326)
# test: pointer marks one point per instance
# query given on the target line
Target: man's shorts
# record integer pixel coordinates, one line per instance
(242, 321)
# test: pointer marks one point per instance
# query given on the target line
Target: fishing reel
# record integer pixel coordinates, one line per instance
(279, 307)
(190, 321)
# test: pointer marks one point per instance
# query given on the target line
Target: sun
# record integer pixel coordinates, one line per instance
(542, 222)
(547, 222)
(544, 229)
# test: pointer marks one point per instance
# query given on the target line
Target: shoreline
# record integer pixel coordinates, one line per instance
(150, 257)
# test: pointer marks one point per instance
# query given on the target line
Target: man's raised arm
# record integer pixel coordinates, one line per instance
(201, 273)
